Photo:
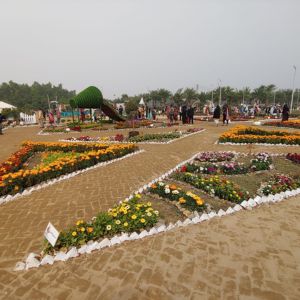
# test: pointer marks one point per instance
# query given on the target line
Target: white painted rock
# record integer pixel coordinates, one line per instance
(212, 215)
(178, 224)
(186, 222)
(245, 204)
(61, 256)
(143, 234)
(162, 228)
(73, 252)
(252, 203)
(152, 231)
(124, 237)
(20, 266)
(170, 226)
(115, 240)
(237, 207)
(229, 211)
(82, 249)
(221, 213)
(196, 220)
(32, 263)
(104, 243)
(91, 246)
(133, 236)
(47, 260)
(204, 217)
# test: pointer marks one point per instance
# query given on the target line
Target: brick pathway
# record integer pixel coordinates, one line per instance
(251, 255)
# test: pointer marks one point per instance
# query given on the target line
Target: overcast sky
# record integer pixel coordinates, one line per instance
(131, 46)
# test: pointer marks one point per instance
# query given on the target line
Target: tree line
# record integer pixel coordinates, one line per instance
(32, 97)
(264, 94)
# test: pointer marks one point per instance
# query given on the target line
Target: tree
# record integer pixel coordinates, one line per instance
(131, 106)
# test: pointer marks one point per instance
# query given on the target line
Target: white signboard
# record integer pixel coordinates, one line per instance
(51, 234)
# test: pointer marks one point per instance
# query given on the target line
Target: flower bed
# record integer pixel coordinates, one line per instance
(134, 137)
(215, 186)
(262, 161)
(129, 216)
(19, 178)
(289, 124)
(214, 156)
(155, 137)
(280, 183)
(295, 157)
(250, 135)
(187, 200)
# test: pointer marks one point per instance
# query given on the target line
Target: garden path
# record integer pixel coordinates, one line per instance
(250, 255)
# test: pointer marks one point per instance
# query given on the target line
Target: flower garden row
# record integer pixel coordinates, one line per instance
(135, 137)
(289, 124)
(15, 176)
(250, 135)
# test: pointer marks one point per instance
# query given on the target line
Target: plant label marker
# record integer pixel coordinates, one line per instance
(51, 234)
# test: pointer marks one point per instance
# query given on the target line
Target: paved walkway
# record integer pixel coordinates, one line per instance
(251, 255)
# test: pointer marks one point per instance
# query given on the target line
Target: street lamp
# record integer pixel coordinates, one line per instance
(293, 91)
(220, 95)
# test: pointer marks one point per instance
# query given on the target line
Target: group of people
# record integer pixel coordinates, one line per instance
(225, 114)
(53, 116)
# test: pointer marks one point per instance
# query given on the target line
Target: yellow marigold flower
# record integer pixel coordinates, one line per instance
(142, 220)
(133, 217)
(149, 214)
(138, 196)
(78, 223)
(108, 227)
(125, 224)
(90, 229)
(149, 203)
(182, 200)
(74, 233)
(114, 214)
(82, 229)
(118, 222)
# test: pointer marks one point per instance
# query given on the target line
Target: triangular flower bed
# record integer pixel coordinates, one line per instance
(36, 162)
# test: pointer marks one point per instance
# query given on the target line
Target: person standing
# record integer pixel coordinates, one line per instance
(217, 114)
(58, 116)
(2, 118)
(51, 118)
(225, 111)
(184, 114)
(285, 113)
(41, 118)
(121, 110)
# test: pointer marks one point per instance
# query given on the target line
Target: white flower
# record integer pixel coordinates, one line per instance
(175, 192)
(161, 183)
(167, 191)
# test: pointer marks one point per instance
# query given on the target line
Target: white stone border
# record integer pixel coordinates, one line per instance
(257, 144)
(44, 184)
(32, 260)
(145, 142)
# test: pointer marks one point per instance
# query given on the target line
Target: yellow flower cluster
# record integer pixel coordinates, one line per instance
(93, 151)
(238, 135)
(197, 199)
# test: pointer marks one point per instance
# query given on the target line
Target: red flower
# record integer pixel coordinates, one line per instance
(183, 169)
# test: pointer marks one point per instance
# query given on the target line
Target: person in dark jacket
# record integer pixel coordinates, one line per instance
(217, 114)
(2, 118)
(190, 114)
(184, 114)
(285, 113)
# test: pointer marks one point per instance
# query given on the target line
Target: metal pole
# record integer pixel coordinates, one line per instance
(293, 91)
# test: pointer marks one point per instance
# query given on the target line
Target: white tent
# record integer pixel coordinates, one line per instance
(4, 105)
(142, 101)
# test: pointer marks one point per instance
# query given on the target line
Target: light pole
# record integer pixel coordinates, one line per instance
(293, 91)
(220, 95)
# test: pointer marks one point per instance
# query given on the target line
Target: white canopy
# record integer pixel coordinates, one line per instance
(142, 101)
(6, 105)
